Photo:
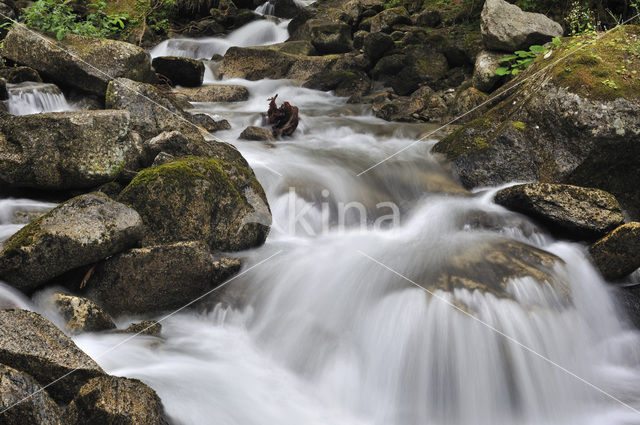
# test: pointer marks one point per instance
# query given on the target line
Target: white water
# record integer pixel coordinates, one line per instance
(266, 8)
(326, 336)
(33, 98)
(256, 33)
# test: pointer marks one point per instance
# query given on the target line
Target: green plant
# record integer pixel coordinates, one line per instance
(521, 59)
(155, 14)
(59, 18)
(580, 19)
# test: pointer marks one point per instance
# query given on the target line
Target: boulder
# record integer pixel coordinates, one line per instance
(507, 28)
(20, 74)
(386, 20)
(146, 327)
(180, 71)
(351, 84)
(376, 45)
(80, 62)
(152, 111)
(577, 211)
(257, 134)
(209, 124)
(80, 231)
(32, 344)
(157, 278)
(464, 102)
(330, 37)
(561, 124)
(485, 78)
(176, 144)
(287, 9)
(81, 314)
(66, 150)
(618, 254)
(226, 207)
(112, 400)
(25, 401)
(215, 93)
(429, 18)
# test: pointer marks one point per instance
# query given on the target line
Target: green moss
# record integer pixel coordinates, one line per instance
(24, 237)
(519, 125)
(605, 69)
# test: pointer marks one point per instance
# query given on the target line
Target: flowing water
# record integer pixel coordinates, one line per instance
(33, 98)
(323, 334)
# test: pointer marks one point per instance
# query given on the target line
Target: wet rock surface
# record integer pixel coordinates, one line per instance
(81, 314)
(618, 254)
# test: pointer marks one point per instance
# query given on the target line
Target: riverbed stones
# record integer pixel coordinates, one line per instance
(113, 400)
(226, 208)
(580, 212)
(81, 62)
(506, 27)
(157, 278)
(25, 401)
(215, 93)
(618, 254)
(386, 20)
(32, 344)
(376, 45)
(66, 150)
(179, 70)
(81, 314)
(330, 37)
(80, 231)
(258, 134)
(351, 84)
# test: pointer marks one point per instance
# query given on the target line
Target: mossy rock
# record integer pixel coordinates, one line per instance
(217, 201)
(562, 123)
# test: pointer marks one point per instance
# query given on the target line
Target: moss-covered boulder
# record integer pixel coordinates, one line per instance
(67, 150)
(577, 211)
(112, 400)
(157, 278)
(180, 71)
(386, 20)
(330, 37)
(32, 344)
(25, 402)
(80, 62)
(80, 231)
(217, 201)
(571, 121)
(618, 254)
(81, 314)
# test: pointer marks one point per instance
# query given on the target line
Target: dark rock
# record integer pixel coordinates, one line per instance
(227, 207)
(80, 62)
(112, 400)
(485, 78)
(287, 9)
(354, 85)
(618, 254)
(358, 39)
(376, 45)
(66, 150)
(386, 20)
(180, 71)
(464, 102)
(330, 37)
(157, 278)
(80, 231)
(24, 400)
(506, 27)
(32, 344)
(209, 124)
(257, 134)
(81, 314)
(146, 327)
(20, 74)
(429, 18)
(578, 211)
(215, 93)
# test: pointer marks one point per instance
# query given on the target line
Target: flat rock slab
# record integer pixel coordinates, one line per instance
(32, 344)
(215, 93)
(78, 232)
(581, 212)
(618, 254)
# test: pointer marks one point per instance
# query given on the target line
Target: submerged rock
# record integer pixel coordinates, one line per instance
(226, 208)
(157, 278)
(112, 400)
(581, 212)
(257, 134)
(81, 62)
(82, 314)
(80, 231)
(506, 27)
(618, 254)
(215, 93)
(180, 71)
(25, 401)
(561, 125)
(32, 344)
(66, 150)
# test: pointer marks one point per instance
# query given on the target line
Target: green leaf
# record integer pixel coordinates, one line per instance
(508, 58)
(60, 34)
(515, 71)
(521, 53)
(503, 71)
(537, 49)
(557, 41)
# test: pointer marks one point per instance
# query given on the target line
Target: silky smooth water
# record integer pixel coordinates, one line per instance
(321, 334)
(33, 98)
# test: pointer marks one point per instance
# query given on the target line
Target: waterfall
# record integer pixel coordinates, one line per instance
(33, 98)
(266, 8)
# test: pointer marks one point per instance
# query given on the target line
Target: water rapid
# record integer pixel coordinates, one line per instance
(33, 98)
(331, 330)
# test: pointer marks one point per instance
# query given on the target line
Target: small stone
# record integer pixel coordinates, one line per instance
(82, 314)
(258, 134)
